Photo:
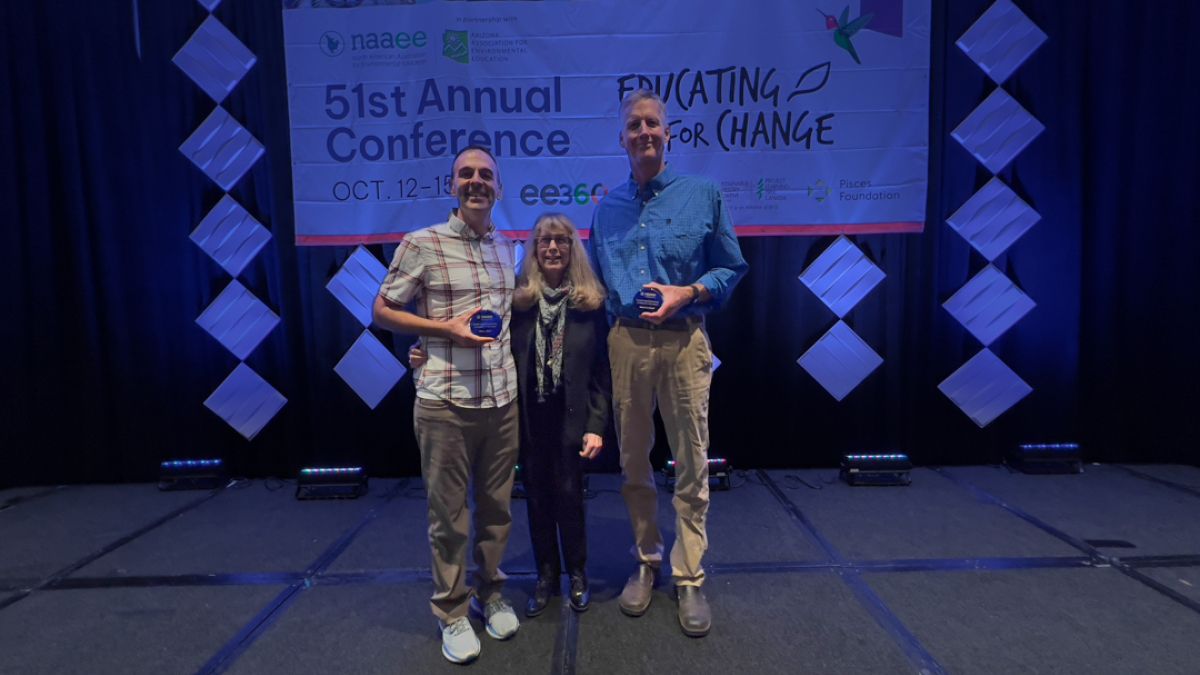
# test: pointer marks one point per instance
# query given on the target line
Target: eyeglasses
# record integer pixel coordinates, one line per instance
(544, 242)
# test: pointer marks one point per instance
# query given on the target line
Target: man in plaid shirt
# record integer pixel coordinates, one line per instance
(465, 415)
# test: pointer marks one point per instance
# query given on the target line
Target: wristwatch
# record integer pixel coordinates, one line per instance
(695, 289)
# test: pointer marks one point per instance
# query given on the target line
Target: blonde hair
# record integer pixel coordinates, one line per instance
(587, 292)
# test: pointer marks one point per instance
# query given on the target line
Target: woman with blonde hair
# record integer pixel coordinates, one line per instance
(559, 340)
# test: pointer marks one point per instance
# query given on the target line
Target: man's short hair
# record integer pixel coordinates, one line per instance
(478, 148)
(638, 95)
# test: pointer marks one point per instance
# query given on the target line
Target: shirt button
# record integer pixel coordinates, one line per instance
(643, 224)
(643, 272)
(643, 247)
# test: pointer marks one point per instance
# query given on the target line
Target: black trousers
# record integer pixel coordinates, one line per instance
(553, 475)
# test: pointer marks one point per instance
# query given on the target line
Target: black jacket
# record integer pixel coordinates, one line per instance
(586, 380)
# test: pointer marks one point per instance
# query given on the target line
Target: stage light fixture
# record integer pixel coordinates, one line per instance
(191, 474)
(331, 482)
(1046, 458)
(880, 469)
(518, 487)
(719, 473)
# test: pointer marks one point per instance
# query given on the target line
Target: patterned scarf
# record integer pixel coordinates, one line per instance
(552, 316)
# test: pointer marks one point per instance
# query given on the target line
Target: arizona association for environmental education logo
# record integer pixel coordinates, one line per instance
(456, 45)
(332, 43)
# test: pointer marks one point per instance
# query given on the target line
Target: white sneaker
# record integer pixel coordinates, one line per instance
(459, 644)
(499, 616)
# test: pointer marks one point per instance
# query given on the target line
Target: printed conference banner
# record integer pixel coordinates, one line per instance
(812, 116)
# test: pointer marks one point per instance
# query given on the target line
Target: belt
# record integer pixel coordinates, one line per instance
(680, 324)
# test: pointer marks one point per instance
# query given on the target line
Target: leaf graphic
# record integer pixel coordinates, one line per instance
(821, 70)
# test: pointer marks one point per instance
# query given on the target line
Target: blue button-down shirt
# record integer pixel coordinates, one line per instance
(675, 230)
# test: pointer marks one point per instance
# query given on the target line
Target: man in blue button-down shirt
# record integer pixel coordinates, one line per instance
(671, 233)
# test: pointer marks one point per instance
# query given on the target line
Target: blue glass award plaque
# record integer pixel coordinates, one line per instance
(648, 300)
(486, 323)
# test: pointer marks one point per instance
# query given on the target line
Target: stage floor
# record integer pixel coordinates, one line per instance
(968, 570)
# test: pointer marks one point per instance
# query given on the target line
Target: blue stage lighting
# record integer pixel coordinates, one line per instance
(518, 488)
(331, 482)
(1045, 458)
(719, 473)
(892, 468)
(191, 474)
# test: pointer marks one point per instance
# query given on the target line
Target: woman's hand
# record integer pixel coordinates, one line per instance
(416, 357)
(592, 445)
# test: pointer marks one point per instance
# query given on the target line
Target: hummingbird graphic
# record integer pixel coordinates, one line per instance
(844, 29)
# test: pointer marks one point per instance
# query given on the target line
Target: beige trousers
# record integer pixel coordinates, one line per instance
(461, 448)
(671, 370)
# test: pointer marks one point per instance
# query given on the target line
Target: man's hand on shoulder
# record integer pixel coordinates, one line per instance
(674, 299)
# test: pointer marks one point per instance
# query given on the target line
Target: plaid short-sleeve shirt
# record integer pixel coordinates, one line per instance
(446, 270)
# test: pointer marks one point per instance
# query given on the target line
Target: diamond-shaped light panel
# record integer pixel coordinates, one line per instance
(984, 388)
(230, 235)
(210, 5)
(222, 148)
(997, 130)
(716, 363)
(370, 369)
(1000, 40)
(357, 283)
(841, 276)
(245, 401)
(840, 360)
(214, 58)
(993, 218)
(989, 304)
(238, 320)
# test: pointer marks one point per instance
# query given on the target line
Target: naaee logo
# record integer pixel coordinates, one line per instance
(333, 44)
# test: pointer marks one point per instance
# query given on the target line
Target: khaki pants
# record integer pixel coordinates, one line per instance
(461, 447)
(670, 369)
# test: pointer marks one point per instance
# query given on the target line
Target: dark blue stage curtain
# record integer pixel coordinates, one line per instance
(106, 370)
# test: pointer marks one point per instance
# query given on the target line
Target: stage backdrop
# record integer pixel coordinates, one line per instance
(813, 117)
(106, 370)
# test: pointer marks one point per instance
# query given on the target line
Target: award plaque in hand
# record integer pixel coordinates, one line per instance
(648, 300)
(486, 323)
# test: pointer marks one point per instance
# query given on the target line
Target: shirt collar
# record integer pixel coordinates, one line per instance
(654, 186)
(457, 226)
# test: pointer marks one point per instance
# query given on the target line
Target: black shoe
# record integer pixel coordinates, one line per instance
(580, 596)
(542, 592)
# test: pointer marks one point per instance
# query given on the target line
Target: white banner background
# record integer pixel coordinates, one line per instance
(762, 98)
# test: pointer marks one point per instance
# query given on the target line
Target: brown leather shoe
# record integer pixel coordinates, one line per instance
(694, 615)
(635, 599)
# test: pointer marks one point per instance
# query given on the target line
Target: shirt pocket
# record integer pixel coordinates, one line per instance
(682, 254)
